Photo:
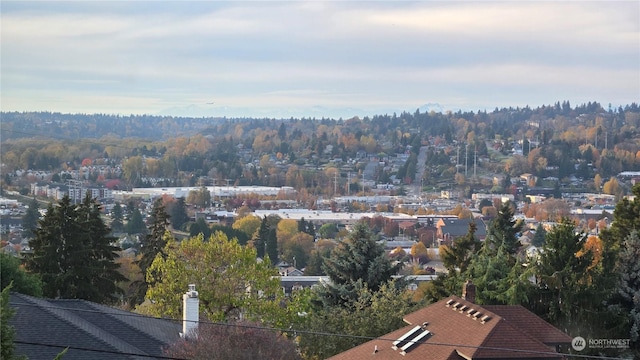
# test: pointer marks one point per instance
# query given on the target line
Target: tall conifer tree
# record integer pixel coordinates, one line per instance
(356, 263)
(153, 245)
(73, 253)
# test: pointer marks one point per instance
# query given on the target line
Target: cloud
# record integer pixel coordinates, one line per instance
(280, 56)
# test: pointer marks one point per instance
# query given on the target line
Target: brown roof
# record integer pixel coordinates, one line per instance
(455, 334)
(529, 322)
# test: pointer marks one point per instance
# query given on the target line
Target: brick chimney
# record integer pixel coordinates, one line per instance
(190, 312)
(469, 291)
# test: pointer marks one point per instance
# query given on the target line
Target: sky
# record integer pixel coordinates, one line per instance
(337, 59)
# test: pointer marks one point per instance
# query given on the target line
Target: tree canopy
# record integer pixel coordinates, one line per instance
(12, 273)
(230, 281)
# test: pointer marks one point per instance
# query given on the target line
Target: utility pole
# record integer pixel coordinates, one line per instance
(475, 162)
(335, 183)
(466, 159)
(457, 158)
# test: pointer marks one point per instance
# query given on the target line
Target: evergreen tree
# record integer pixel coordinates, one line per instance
(564, 278)
(30, 219)
(58, 251)
(271, 247)
(499, 277)
(456, 258)
(200, 227)
(260, 240)
(617, 269)
(625, 221)
(178, 213)
(503, 231)
(102, 252)
(538, 238)
(316, 259)
(73, 253)
(356, 263)
(154, 242)
(135, 225)
(152, 245)
(117, 216)
(629, 286)
(302, 225)
(306, 227)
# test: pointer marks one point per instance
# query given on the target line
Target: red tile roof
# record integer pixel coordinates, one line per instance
(456, 334)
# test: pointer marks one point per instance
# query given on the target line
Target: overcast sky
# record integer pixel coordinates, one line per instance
(315, 59)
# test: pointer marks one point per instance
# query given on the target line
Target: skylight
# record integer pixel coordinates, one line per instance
(406, 337)
(414, 341)
(406, 342)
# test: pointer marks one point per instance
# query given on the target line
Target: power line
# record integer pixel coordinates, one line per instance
(319, 333)
(79, 348)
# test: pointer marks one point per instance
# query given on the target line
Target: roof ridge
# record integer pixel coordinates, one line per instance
(99, 334)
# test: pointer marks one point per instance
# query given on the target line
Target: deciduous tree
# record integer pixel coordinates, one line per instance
(248, 225)
(241, 340)
(12, 273)
(230, 282)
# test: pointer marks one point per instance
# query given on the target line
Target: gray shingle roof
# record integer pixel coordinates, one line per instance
(81, 324)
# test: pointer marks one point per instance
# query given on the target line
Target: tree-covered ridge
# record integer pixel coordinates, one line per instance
(552, 140)
(81, 126)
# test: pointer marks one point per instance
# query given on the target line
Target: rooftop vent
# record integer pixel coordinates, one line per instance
(470, 312)
(477, 315)
(485, 318)
(455, 306)
(463, 308)
(449, 303)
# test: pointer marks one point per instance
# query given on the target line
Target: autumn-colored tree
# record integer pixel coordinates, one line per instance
(247, 224)
(597, 182)
(611, 187)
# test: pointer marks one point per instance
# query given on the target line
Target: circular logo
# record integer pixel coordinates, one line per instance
(578, 343)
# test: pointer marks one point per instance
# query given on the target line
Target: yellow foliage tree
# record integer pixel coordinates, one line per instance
(611, 187)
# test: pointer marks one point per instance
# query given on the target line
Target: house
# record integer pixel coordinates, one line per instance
(456, 329)
(451, 229)
(45, 327)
